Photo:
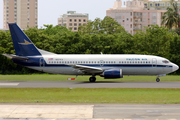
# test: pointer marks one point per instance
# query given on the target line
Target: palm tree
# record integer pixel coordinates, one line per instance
(171, 18)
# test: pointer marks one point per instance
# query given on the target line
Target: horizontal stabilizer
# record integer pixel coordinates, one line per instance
(15, 57)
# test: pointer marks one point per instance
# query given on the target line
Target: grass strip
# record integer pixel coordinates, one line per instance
(49, 77)
(90, 95)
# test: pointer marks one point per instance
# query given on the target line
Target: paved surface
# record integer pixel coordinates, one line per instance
(80, 84)
(91, 111)
(46, 111)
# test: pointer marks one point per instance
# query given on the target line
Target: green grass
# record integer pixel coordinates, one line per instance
(89, 95)
(49, 77)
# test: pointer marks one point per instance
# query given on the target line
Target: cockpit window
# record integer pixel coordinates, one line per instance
(165, 61)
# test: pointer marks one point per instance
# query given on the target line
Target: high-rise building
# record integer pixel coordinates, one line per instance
(22, 12)
(159, 4)
(73, 20)
(134, 16)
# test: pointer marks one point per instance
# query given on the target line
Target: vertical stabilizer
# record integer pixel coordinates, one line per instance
(22, 44)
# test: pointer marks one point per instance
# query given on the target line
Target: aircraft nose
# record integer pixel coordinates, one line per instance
(175, 67)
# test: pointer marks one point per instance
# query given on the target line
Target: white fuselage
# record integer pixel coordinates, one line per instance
(130, 64)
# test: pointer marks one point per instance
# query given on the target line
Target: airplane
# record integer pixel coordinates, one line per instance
(107, 66)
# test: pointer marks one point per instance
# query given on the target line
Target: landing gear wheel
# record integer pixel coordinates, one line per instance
(92, 79)
(157, 80)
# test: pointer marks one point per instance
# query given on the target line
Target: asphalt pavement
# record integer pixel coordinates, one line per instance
(82, 84)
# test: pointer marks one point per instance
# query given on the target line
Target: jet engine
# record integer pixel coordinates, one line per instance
(112, 74)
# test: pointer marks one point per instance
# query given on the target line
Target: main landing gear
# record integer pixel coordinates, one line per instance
(157, 80)
(92, 79)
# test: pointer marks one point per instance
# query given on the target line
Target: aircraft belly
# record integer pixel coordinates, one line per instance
(58, 70)
(125, 70)
(138, 71)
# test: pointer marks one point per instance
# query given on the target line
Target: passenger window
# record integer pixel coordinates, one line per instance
(127, 61)
(68, 62)
(119, 61)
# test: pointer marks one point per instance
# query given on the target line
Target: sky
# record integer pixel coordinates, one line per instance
(50, 10)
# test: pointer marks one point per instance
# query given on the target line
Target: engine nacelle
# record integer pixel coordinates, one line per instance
(112, 74)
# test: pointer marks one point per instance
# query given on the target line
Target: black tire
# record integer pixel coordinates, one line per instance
(157, 80)
(92, 79)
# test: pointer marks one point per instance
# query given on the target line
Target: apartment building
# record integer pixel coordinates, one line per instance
(158, 5)
(22, 12)
(73, 20)
(134, 17)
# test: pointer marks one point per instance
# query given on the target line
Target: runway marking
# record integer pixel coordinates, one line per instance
(9, 84)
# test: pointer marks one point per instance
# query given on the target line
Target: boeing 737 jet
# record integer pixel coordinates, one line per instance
(107, 66)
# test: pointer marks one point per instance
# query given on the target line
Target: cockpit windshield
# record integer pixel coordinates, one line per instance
(165, 61)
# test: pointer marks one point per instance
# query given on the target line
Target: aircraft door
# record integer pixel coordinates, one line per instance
(101, 63)
(41, 62)
(154, 62)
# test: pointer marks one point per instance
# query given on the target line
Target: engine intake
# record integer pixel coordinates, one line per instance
(112, 74)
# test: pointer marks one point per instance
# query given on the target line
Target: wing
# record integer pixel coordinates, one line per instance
(87, 69)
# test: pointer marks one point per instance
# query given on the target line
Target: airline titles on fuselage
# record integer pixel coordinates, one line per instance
(131, 59)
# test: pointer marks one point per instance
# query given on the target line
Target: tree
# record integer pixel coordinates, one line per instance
(171, 18)
(155, 41)
(106, 26)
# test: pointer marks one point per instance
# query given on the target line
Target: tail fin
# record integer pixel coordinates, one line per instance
(22, 44)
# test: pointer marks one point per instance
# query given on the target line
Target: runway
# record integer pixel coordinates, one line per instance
(82, 84)
(90, 111)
